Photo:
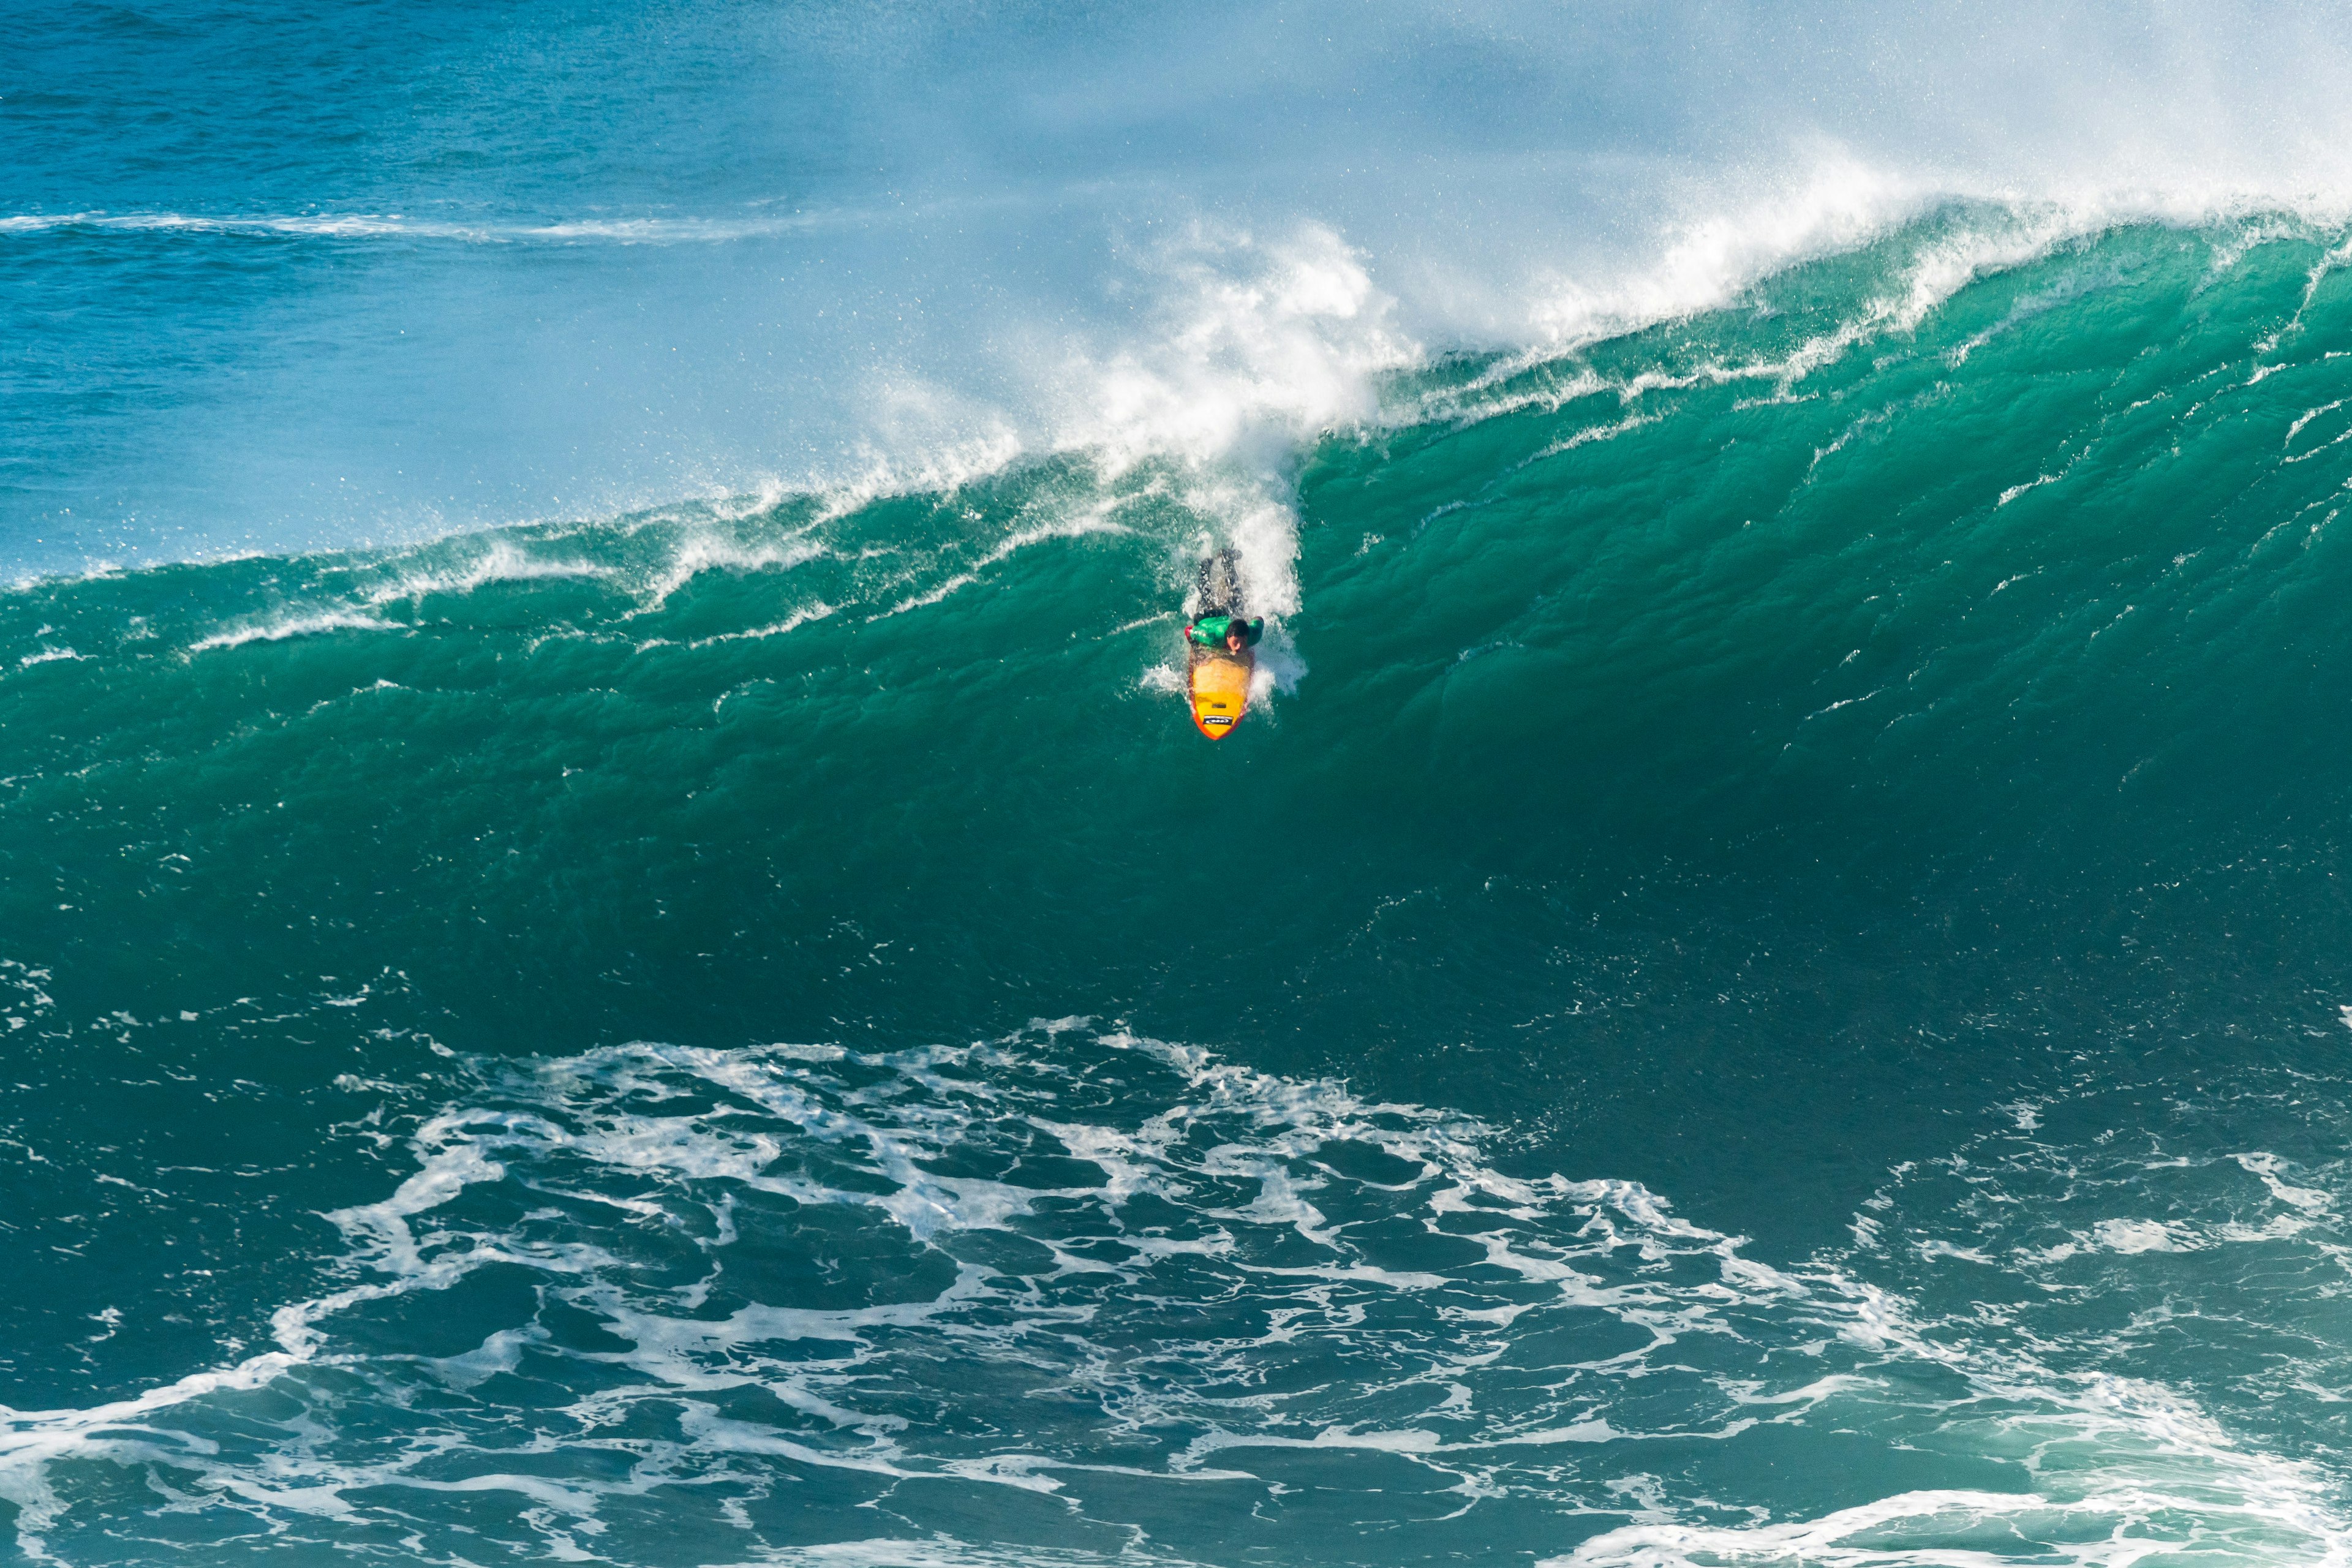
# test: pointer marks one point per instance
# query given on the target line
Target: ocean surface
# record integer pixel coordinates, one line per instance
(615, 946)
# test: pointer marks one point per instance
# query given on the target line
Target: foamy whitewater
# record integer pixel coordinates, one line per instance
(615, 945)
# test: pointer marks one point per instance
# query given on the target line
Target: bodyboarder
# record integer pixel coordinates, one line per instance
(1231, 633)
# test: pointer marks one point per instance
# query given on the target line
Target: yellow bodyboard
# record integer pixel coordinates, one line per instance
(1221, 683)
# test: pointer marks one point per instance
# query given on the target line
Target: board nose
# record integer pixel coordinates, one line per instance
(1220, 693)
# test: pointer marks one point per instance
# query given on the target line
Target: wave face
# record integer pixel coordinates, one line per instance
(1767, 986)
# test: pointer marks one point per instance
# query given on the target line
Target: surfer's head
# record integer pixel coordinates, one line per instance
(1236, 633)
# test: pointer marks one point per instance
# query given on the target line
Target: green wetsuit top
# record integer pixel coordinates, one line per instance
(1210, 631)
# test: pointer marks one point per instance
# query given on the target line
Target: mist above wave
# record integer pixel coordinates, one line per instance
(894, 245)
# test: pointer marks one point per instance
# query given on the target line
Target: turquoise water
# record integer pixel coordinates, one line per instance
(1773, 977)
(1767, 981)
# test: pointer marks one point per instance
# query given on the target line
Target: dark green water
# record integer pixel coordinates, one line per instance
(1765, 987)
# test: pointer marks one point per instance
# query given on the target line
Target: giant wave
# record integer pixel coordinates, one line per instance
(1833, 793)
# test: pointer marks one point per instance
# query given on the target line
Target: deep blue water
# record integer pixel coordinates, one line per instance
(615, 945)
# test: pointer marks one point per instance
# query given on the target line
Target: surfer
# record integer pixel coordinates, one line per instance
(1218, 640)
(1230, 632)
(1223, 664)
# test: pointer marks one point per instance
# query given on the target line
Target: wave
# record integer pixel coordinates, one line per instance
(1249, 348)
(1764, 982)
(1289, 340)
(646, 310)
(1259, 351)
(1235, 348)
(1856, 774)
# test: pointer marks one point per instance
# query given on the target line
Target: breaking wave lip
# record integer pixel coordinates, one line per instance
(502, 562)
(1958, 241)
(1252, 345)
(1411, 1291)
(352, 592)
(703, 550)
(816, 611)
(278, 628)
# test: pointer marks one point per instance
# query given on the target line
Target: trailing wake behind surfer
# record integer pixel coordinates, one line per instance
(1219, 641)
